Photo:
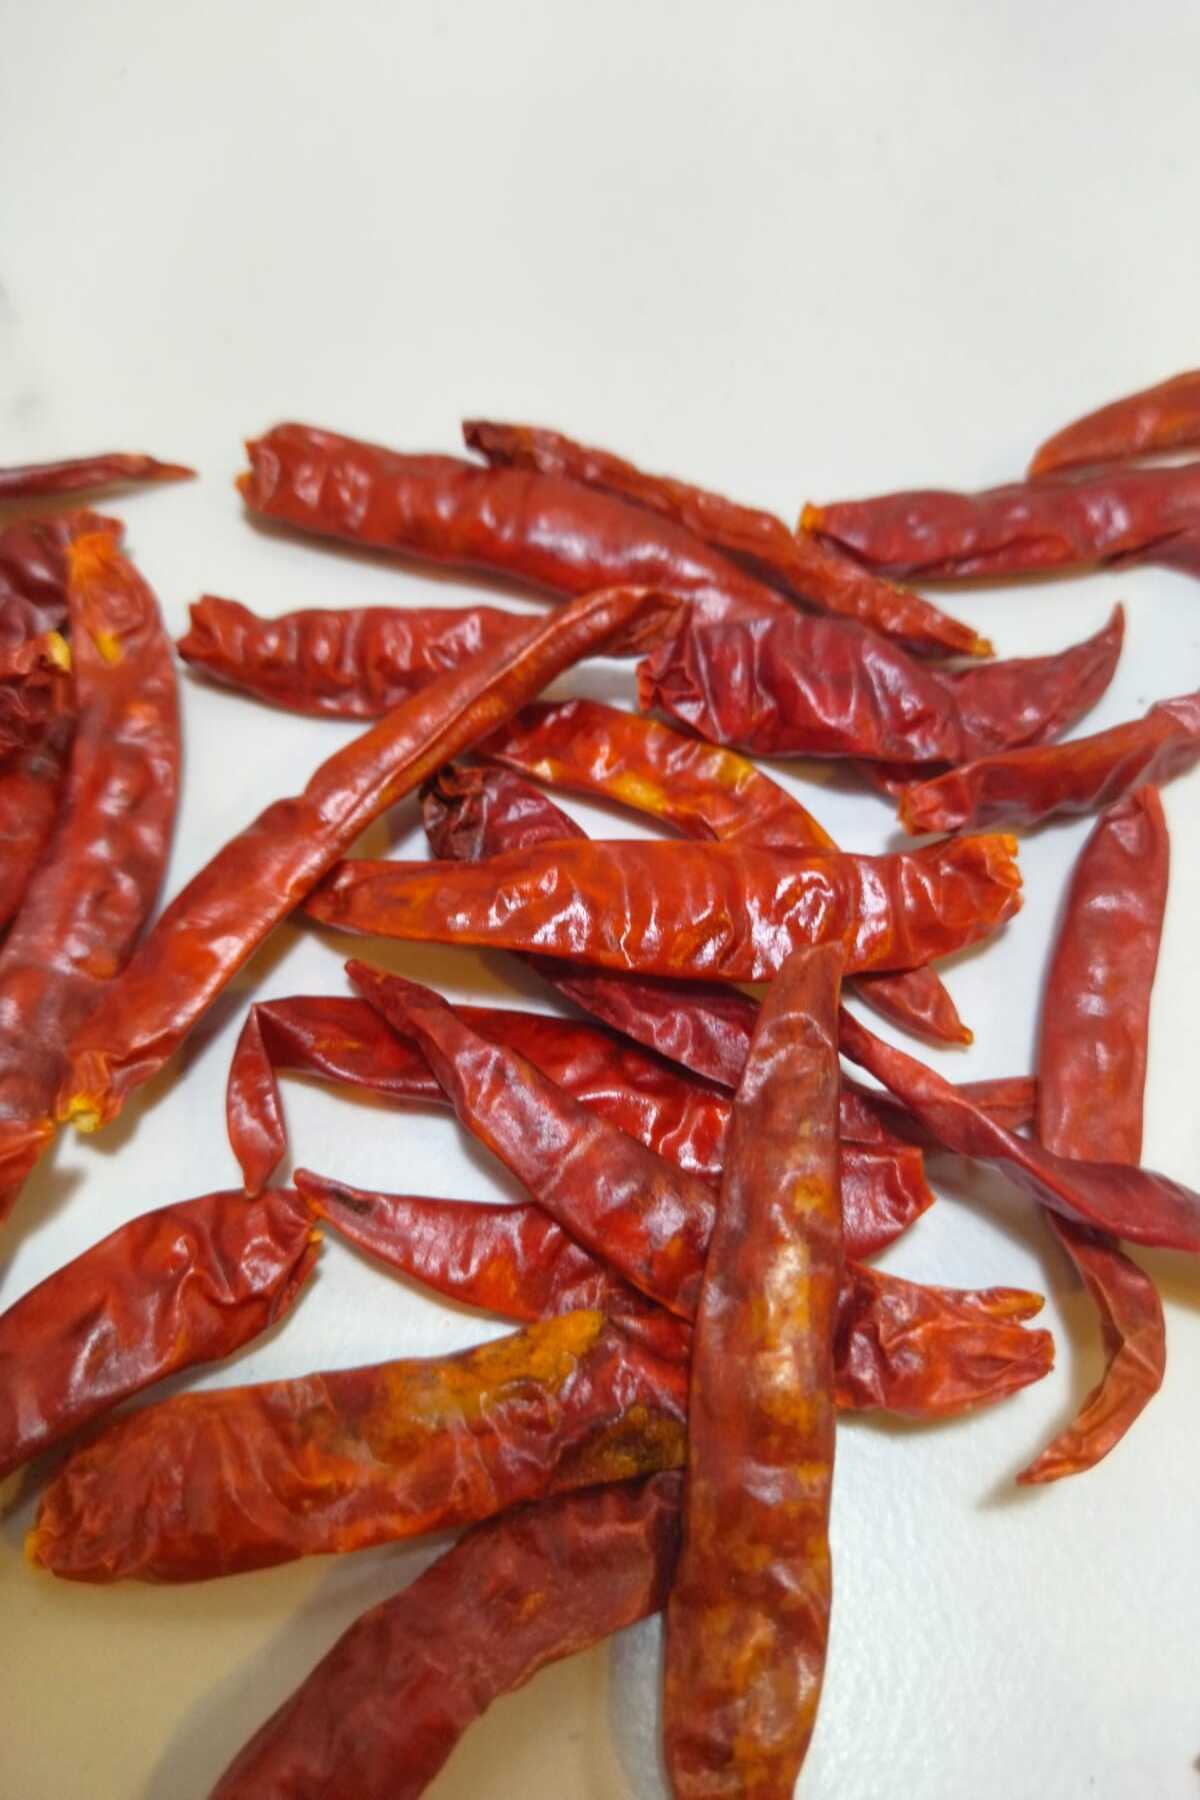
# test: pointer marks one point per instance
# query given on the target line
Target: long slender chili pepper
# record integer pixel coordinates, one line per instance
(1132, 1203)
(216, 1483)
(1091, 1078)
(353, 663)
(184, 1285)
(748, 1614)
(872, 1115)
(110, 468)
(798, 563)
(227, 910)
(380, 1713)
(1117, 515)
(1163, 417)
(802, 687)
(1023, 787)
(706, 792)
(94, 888)
(539, 530)
(924, 1352)
(724, 912)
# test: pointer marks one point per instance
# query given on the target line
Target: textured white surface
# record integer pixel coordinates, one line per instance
(791, 251)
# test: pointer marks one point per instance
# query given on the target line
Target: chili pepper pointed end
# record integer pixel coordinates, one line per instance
(810, 517)
(982, 646)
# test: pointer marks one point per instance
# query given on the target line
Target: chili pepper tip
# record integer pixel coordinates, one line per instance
(810, 517)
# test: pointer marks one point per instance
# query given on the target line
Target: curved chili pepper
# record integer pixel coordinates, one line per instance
(221, 1482)
(184, 1285)
(1137, 1204)
(1023, 787)
(539, 530)
(1091, 1078)
(1026, 528)
(354, 663)
(748, 1614)
(30, 789)
(924, 1352)
(725, 912)
(227, 910)
(801, 687)
(702, 789)
(380, 1713)
(96, 884)
(1163, 417)
(800, 564)
(109, 469)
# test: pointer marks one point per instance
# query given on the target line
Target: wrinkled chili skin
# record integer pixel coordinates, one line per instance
(75, 475)
(1138, 1204)
(735, 911)
(1091, 1079)
(1026, 528)
(35, 689)
(1163, 417)
(1023, 787)
(216, 1483)
(539, 530)
(96, 884)
(702, 789)
(380, 1713)
(340, 663)
(33, 570)
(30, 790)
(799, 564)
(222, 915)
(185, 1285)
(804, 687)
(748, 1615)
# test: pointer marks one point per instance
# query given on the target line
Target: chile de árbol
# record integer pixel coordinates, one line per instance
(75, 475)
(1163, 417)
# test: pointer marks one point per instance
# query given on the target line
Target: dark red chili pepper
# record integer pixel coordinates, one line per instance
(35, 689)
(1137, 1204)
(924, 1352)
(30, 789)
(798, 563)
(748, 1613)
(111, 468)
(216, 1483)
(95, 886)
(1026, 528)
(33, 570)
(539, 530)
(724, 912)
(356, 663)
(872, 1115)
(793, 686)
(1091, 1077)
(1163, 417)
(1023, 787)
(706, 791)
(227, 910)
(380, 1713)
(181, 1286)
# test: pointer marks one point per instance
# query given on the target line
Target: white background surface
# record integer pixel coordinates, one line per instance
(789, 251)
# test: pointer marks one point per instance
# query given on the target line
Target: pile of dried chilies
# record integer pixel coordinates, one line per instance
(688, 1275)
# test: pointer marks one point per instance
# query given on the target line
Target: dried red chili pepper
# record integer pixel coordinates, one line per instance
(539, 530)
(30, 788)
(924, 1352)
(220, 1482)
(353, 663)
(805, 687)
(227, 910)
(33, 570)
(380, 1713)
(1132, 1203)
(1026, 528)
(748, 1614)
(184, 1285)
(1091, 1078)
(706, 791)
(35, 688)
(798, 563)
(725, 912)
(93, 889)
(1023, 787)
(109, 469)
(871, 1115)
(1163, 417)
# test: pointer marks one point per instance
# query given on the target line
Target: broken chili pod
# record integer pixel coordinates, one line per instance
(1163, 417)
(231, 906)
(184, 1285)
(798, 563)
(111, 468)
